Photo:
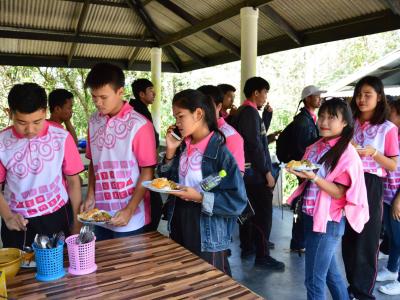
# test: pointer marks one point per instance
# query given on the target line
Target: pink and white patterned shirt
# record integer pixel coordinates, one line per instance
(314, 153)
(383, 137)
(234, 142)
(190, 162)
(32, 169)
(391, 183)
(118, 147)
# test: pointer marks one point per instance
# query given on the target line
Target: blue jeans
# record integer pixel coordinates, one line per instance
(107, 234)
(392, 228)
(321, 267)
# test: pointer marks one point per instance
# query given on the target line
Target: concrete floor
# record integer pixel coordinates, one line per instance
(278, 285)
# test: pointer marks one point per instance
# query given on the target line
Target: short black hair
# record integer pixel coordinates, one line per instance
(140, 85)
(59, 97)
(212, 91)
(394, 104)
(27, 98)
(105, 73)
(255, 84)
(224, 87)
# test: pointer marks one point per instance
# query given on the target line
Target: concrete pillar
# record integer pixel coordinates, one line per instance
(156, 80)
(248, 38)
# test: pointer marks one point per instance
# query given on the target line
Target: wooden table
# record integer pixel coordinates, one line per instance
(148, 266)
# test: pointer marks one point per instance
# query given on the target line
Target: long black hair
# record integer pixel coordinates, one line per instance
(381, 113)
(191, 100)
(336, 107)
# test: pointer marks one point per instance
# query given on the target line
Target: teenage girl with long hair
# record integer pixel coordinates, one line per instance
(335, 191)
(201, 221)
(376, 141)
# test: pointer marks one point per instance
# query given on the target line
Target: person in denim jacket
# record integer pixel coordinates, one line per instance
(200, 221)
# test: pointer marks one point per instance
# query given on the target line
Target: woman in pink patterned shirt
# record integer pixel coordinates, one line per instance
(337, 187)
(376, 141)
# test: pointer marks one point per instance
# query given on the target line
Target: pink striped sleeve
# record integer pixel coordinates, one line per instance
(72, 163)
(234, 143)
(3, 172)
(392, 142)
(144, 146)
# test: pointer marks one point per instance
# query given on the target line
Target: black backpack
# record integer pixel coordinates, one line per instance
(284, 143)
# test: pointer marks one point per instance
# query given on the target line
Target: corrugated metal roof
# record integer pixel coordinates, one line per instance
(202, 44)
(305, 14)
(144, 54)
(231, 28)
(30, 47)
(202, 9)
(38, 14)
(113, 20)
(103, 51)
(166, 20)
(37, 27)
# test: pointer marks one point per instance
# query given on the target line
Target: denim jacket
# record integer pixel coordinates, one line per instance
(223, 204)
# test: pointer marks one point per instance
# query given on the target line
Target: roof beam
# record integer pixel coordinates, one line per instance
(135, 52)
(211, 21)
(394, 6)
(137, 6)
(102, 2)
(77, 62)
(363, 25)
(193, 21)
(282, 23)
(82, 17)
(70, 37)
(197, 58)
(145, 2)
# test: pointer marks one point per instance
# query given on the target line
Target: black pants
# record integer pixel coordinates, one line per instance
(156, 208)
(185, 230)
(256, 230)
(360, 250)
(61, 220)
(298, 240)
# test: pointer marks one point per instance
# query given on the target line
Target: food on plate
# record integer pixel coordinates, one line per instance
(300, 164)
(164, 183)
(95, 215)
(28, 257)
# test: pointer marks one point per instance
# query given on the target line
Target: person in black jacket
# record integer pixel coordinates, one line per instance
(143, 91)
(304, 133)
(258, 178)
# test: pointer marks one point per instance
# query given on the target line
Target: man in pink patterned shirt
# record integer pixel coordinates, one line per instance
(122, 152)
(35, 156)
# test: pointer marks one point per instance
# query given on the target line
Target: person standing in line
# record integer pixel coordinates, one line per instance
(257, 177)
(143, 91)
(331, 195)
(122, 152)
(376, 141)
(61, 104)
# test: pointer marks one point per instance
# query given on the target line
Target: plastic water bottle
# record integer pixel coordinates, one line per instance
(212, 180)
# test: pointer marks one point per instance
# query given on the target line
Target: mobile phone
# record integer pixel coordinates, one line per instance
(176, 134)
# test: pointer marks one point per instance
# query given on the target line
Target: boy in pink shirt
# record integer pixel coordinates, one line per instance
(122, 152)
(234, 142)
(34, 158)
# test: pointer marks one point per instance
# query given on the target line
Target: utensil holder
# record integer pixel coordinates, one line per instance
(49, 263)
(81, 256)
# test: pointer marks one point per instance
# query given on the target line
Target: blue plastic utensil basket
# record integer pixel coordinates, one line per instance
(49, 263)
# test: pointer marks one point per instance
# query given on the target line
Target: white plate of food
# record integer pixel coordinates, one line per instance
(28, 260)
(302, 165)
(161, 185)
(94, 216)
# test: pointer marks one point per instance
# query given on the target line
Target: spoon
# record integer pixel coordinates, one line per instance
(85, 235)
